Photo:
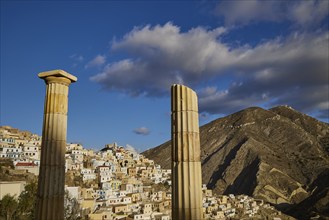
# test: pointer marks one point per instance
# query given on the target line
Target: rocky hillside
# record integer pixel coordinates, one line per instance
(279, 155)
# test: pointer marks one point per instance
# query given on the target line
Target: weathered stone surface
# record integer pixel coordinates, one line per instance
(186, 165)
(57, 74)
(50, 196)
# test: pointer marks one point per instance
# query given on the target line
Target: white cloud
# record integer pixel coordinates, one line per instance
(244, 12)
(163, 56)
(302, 13)
(226, 101)
(306, 13)
(274, 71)
(142, 131)
(192, 51)
(98, 61)
(131, 148)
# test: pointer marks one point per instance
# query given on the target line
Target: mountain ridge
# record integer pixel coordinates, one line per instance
(276, 154)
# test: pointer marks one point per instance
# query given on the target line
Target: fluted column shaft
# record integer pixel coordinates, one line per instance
(186, 165)
(50, 195)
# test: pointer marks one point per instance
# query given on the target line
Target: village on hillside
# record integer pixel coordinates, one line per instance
(116, 183)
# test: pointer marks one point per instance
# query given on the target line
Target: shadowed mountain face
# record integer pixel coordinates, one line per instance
(279, 155)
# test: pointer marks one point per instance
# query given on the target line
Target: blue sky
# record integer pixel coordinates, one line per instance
(126, 54)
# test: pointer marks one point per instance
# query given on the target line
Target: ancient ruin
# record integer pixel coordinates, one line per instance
(186, 165)
(50, 196)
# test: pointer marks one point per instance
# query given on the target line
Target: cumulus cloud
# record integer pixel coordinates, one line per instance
(292, 70)
(307, 13)
(301, 13)
(163, 56)
(244, 12)
(98, 61)
(142, 131)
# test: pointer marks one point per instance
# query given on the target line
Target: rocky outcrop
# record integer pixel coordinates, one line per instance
(277, 155)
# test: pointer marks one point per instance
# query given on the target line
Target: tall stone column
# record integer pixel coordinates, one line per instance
(186, 165)
(50, 195)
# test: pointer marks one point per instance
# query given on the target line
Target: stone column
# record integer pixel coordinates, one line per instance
(186, 165)
(50, 195)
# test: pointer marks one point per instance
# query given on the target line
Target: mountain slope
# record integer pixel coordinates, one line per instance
(277, 155)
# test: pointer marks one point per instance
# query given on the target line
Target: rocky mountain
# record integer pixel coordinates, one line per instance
(279, 155)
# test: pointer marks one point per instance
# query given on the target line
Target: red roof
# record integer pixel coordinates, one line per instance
(25, 164)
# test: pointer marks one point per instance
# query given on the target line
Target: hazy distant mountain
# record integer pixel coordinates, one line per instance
(279, 155)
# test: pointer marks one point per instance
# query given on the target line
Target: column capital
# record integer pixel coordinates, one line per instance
(57, 76)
